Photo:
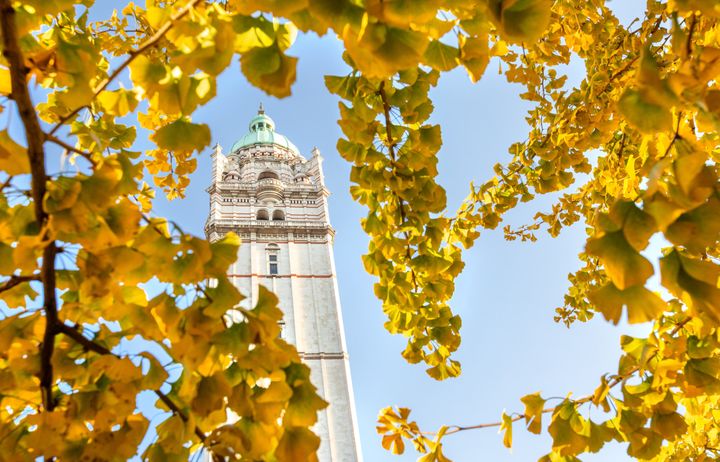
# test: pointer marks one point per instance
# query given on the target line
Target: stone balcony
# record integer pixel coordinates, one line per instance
(270, 188)
(225, 225)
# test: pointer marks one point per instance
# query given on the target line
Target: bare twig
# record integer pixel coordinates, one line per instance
(610, 384)
(86, 155)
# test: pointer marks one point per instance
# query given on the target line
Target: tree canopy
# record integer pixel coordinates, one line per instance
(631, 152)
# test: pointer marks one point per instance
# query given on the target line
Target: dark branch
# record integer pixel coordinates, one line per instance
(91, 345)
(16, 280)
(35, 138)
(391, 148)
(86, 155)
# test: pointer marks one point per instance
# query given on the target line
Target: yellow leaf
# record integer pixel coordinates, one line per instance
(506, 426)
(642, 304)
(182, 136)
(522, 20)
(5, 84)
(623, 264)
(533, 412)
(297, 444)
(13, 157)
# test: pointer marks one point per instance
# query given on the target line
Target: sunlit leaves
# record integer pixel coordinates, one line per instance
(569, 430)
(521, 20)
(633, 143)
(506, 427)
(440, 56)
(623, 264)
(297, 443)
(534, 405)
(642, 304)
(182, 136)
(13, 158)
(96, 217)
(269, 69)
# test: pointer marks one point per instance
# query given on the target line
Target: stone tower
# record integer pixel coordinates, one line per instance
(265, 191)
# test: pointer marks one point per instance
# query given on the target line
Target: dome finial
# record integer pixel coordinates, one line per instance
(261, 109)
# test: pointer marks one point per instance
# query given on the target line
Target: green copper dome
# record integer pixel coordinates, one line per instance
(262, 131)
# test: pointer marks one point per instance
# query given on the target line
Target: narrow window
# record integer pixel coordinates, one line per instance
(272, 258)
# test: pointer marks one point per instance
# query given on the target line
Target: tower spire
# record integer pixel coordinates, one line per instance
(261, 109)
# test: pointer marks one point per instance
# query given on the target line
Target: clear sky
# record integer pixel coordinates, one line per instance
(506, 295)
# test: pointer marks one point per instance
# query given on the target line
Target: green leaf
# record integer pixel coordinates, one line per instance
(440, 56)
(270, 70)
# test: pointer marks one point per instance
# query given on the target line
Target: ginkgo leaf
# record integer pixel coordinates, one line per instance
(182, 136)
(534, 406)
(568, 430)
(13, 157)
(506, 425)
(269, 69)
(521, 20)
(441, 56)
(642, 304)
(646, 114)
(623, 264)
(297, 443)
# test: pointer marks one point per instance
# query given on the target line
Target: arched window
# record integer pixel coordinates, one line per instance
(268, 174)
(273, 251)
(278, 215)
(262, 214)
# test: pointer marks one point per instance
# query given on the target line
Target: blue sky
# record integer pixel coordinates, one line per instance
(506, 295)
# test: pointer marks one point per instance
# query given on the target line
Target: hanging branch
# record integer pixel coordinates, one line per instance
(391, 148)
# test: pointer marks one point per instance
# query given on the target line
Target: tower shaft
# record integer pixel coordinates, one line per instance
(276, 201)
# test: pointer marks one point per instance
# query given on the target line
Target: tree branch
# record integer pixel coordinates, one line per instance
(86, 155)
(610, 384)
(159, 34)
(35, 138)
(393, 157)
(95, 347)
(16, 280)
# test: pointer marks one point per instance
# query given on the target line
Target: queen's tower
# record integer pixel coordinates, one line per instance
(276, 201)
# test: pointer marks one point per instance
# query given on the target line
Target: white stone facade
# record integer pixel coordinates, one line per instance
(276, 201)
